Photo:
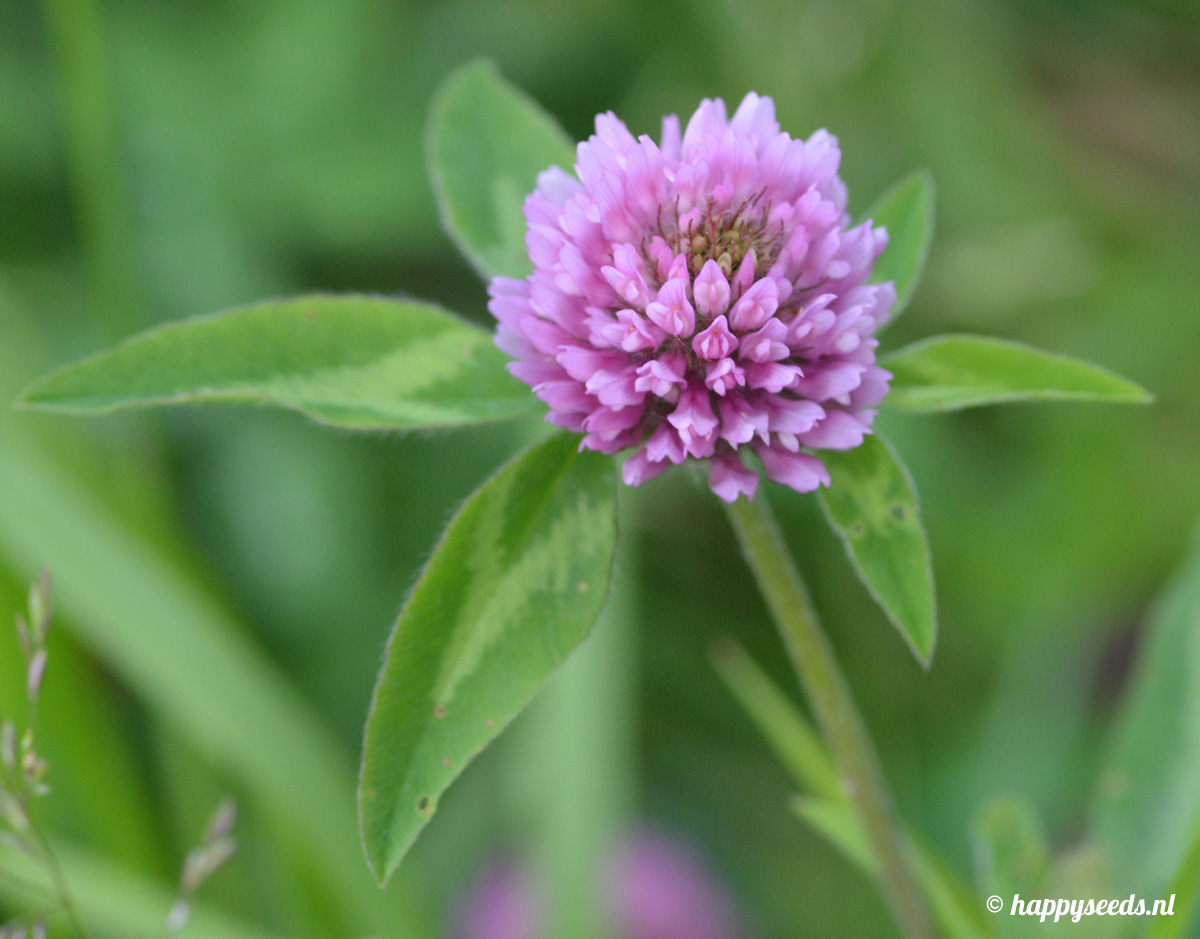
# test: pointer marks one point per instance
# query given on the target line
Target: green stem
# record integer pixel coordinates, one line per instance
(787, 598)
(93, 162)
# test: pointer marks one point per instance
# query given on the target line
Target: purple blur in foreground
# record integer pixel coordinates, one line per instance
(659, 890)
(503, 904)
(696, 297)
(655, 889)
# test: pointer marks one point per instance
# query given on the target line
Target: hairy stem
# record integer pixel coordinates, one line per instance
(843, 728)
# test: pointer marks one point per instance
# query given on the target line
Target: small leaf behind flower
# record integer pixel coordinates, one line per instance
(515, 585)
(351, 361)
(486, 144)
(907, 211)
(872, 504)
(948, 373)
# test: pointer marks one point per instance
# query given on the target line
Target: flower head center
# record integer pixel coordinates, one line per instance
(725, 234)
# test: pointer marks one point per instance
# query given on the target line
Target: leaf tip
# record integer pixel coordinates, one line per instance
(723, 650)
(33, 397)
(374, 851)
(27, 399)
(729, 660)
(928, 646)
(925, 657)
(482, 67)
(925, 175)
(922, 646)
(378, 874)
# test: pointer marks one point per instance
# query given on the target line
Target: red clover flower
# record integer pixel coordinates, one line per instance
(699, 296)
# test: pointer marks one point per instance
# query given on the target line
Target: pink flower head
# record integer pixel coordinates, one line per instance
(503, 903)
(701, 295)
(653, 887)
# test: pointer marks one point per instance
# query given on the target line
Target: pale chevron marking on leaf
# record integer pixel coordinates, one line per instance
(548, 556)
(353, 361)
(495, 611)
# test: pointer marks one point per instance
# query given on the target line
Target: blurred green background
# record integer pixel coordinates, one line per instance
(228, 577)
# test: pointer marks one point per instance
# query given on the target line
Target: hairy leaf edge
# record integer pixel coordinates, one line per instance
(379, 865)
(926, 659)
(433, 125)
(1135, 395)
(27, 400)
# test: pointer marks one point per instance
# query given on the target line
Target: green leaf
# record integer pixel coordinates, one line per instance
(516, 583)
(1010, 850)
(907, 211)
(872, 504)
(827, 811)
(835, 820)
(486, 144)
(1079, 871)
(947, 373)
(1148, 805)
(1185, 887)
(957, 910)
(788, 732)
(351, 361)
(180, 653)
(956, 906)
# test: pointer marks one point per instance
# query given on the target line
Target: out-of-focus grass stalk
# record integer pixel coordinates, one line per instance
(118, 902)
(57, 878)
(93, 163)
(581, 746)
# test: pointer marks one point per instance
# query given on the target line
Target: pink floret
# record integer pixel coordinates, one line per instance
(699, 296)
